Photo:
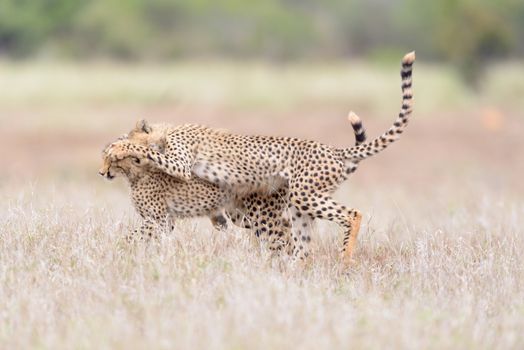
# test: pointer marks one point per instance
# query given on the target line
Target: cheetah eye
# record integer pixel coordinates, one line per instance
(136, 160)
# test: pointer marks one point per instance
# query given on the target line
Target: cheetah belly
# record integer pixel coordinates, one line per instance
(240, 180)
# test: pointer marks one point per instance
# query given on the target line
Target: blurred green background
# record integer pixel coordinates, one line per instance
(467, 33)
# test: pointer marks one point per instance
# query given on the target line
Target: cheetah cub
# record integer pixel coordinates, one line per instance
(160, 199)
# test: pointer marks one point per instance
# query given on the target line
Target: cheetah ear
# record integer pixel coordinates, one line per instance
(142, 125)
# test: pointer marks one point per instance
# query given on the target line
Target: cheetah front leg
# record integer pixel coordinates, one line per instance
(300, 236)
(174, 166)
(148, 230)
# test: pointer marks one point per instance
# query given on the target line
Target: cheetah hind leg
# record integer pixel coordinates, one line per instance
(350, 237)
(322, 206)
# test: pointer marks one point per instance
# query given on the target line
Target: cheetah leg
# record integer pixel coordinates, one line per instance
(300, 235)
(266, 215)
(273, 234)
(173, 166)
(147, 231)
(155, 219)
(350, 237)
(280, 237)
(321, 206)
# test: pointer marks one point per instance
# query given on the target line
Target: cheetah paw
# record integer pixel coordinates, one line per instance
(120, 150)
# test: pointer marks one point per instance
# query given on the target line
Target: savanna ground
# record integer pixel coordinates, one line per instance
(439, 262)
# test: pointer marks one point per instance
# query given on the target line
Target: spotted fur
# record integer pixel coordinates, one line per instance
(242, 164)
(160, 198)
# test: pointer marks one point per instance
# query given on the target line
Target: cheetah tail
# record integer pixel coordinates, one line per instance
(358, 128)
(368, 149)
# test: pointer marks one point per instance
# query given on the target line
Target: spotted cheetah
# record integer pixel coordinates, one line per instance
(157, 197)
(311, 171)
(160, 198)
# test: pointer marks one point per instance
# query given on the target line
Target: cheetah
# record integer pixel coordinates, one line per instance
(160, 198)
(240, 164)
(154, 197)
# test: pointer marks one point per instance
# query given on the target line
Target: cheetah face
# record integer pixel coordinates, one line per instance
(143, 135)
(124, 167)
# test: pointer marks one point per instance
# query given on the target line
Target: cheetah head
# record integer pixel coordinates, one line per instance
(143, 134)
(152, 136)
(126, 167)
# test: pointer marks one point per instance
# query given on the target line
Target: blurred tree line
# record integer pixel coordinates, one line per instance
(466, 32)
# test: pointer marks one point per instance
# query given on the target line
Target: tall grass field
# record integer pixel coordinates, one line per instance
(439, 261)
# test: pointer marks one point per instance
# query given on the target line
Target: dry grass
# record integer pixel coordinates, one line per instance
(447, 279)
(439, 262)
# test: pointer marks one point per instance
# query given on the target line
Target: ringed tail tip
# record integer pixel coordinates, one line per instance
(409, 58)
(353, 118)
